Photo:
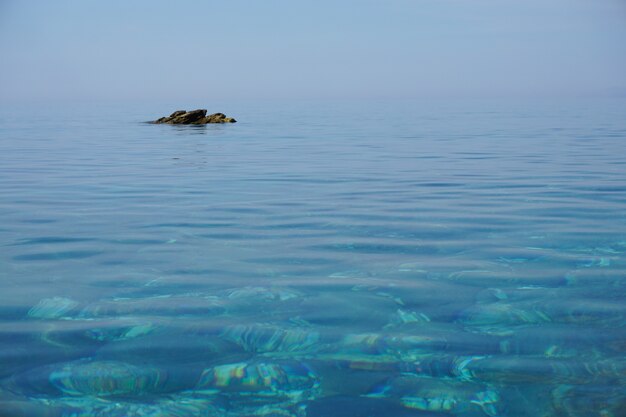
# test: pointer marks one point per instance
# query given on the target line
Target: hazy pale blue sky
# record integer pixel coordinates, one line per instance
(136, 50)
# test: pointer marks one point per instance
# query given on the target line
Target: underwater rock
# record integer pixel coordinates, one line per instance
(402, 317)
(180, 305)
(120, 329)
(558, 341)
(402, 347)
(509, 369)
(432, 365)
(354, 362)
(504, 317)
(292, 380)
(179, 349)
(360, 310)
(440, 395)
(71, 336)
(500, 318)
(91, 378)
(267, 294)
(196, 117)
(586, 311)
(275, 302)
(589, 400)
(266, 338)
(107, 378)
(52, 308)
(493, 294)
(367, 358)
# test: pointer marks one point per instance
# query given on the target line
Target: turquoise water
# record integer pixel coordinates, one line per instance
(343, 259)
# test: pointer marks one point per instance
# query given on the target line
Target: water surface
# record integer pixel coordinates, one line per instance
(315, 259)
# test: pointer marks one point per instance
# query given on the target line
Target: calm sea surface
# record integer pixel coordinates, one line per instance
(343, 259)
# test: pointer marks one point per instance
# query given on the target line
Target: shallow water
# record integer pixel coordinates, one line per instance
(315, 259)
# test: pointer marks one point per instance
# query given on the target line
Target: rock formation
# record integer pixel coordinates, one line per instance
(194, 117)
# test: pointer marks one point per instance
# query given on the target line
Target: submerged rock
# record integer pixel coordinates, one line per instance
(265, 294)
(194, 117)
(91, 378)
(172, 305)
(106, 378)
(272, 339)
(589, 400)
(52, 308)
(266, 379)
(440, 395)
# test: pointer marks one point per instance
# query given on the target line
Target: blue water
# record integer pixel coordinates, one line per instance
(349, 259)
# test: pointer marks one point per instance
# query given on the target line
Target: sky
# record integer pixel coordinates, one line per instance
(305, 49)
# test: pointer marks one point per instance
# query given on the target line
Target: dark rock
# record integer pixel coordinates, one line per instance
(188, 117)
(178, 113)
(218, 118)
(196, 117)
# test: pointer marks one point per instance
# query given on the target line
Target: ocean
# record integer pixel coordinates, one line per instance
(318, 259)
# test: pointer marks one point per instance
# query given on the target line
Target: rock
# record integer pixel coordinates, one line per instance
(195, 117)
(189, 117)
(178, 113)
